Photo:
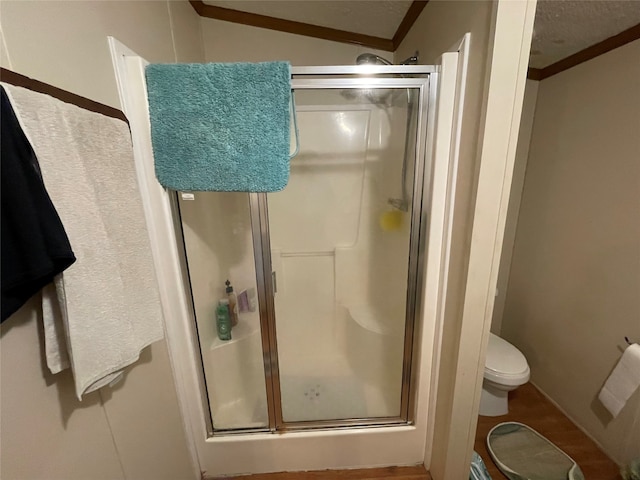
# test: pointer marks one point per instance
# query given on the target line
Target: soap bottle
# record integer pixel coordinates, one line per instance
(253, 301)
(233, 304)
(223, 321)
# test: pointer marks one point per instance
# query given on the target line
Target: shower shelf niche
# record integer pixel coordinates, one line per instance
(381, 323)
(248, 325)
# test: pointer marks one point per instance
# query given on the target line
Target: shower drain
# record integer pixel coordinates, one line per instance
(326, 398)
(312, 393)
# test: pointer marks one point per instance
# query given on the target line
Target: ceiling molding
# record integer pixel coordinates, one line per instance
(588, 53)
(290, 26)
(407, 22)
(534, 73)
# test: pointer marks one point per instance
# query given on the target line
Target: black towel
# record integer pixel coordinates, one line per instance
(34, 245)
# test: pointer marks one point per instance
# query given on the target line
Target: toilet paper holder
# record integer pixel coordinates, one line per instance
(629, 342)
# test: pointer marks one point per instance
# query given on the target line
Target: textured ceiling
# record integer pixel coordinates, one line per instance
(562, 27)
(565, 27)
(379, 18)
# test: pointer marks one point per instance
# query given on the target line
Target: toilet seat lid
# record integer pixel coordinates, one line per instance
(503, 358)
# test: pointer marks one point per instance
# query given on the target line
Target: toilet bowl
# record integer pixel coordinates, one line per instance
(505, 370)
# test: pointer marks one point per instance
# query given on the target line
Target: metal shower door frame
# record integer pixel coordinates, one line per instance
(350, 77)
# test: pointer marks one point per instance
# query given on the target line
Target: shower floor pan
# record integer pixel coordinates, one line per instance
(332, 392)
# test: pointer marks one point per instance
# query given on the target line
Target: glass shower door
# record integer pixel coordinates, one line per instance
(217, 234)
(325, 271)
(341, 236)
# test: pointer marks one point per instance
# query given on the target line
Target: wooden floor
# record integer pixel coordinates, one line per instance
(397, 473)
(527, 405)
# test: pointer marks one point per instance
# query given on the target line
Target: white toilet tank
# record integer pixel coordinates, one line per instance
(505, 364)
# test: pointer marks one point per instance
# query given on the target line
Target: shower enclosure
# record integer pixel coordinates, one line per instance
(335, 367)
(328, 271)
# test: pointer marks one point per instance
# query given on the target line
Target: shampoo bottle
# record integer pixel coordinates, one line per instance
(233, 304)
(223, 321)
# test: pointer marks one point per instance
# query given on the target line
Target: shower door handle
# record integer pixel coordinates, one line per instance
(274, 282)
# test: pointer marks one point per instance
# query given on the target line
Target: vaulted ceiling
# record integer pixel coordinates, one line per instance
(376, 18)
(562, 27)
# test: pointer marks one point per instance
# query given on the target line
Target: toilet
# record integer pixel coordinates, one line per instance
(505, 369)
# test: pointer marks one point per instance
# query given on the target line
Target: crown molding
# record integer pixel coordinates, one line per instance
(290, 26)
(309, 30)
(409, 19)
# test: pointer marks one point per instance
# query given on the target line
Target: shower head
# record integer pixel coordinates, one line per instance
(371, 59)
(412, 60)
(379, 98)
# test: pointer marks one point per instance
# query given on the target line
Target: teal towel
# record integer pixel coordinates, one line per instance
(631, 471)
(478, 468)
(220, 127)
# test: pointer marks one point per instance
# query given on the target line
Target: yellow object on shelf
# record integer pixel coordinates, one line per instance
(391, 220)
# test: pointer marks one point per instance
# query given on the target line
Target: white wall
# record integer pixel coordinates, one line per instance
(133, 431)
(575, 274)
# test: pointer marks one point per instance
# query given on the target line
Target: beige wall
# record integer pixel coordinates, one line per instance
(133, 431)
(575, 277)
(231, 42)
(440, 27)
(517, 183)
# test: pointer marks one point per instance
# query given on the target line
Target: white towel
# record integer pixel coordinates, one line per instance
(106, 308)
(623, 381)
